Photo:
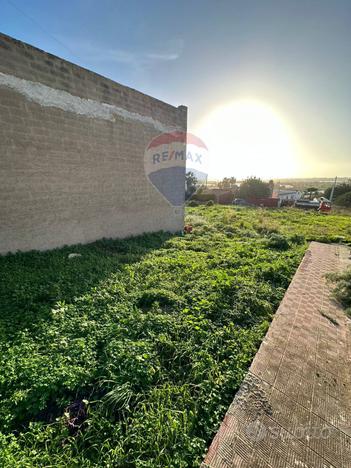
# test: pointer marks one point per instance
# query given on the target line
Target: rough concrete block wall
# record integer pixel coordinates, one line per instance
(71, 154)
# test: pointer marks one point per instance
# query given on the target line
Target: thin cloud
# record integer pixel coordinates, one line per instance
(136, 59)
(162, 57)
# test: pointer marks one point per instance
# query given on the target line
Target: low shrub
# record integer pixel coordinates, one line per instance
(344, 200)
(204, 197)
(278, 241)
(297, 239)
(193, 203)
(342, 290)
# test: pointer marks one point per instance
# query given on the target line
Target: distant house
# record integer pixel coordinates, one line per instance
(289, 195)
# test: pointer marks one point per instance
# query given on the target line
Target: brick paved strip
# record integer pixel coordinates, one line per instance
(293, 408)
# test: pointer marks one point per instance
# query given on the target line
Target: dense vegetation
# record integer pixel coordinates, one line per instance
(342, 291)
(254, 187)
(339, 190)
(130, 354)
(344, 200)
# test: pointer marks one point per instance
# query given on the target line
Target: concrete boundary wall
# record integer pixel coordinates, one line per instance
(71, 153)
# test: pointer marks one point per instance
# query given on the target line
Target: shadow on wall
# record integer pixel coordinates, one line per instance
(33, 282)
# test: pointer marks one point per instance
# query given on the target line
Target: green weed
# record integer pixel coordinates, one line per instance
(149, 337)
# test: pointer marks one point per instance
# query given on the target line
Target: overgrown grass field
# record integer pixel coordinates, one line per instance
(129, 355)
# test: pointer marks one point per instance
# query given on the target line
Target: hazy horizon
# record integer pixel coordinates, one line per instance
(291, 179)
(266, 83)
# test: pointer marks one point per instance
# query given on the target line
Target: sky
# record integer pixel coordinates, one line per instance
(266, 82)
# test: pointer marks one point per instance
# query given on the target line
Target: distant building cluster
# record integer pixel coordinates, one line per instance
(291, 195)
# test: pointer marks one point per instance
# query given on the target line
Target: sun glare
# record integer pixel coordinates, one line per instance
(247, 137)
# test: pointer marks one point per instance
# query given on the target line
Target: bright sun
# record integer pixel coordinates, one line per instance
(245, 138)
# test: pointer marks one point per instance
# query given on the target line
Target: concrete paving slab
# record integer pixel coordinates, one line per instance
(293, 409)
